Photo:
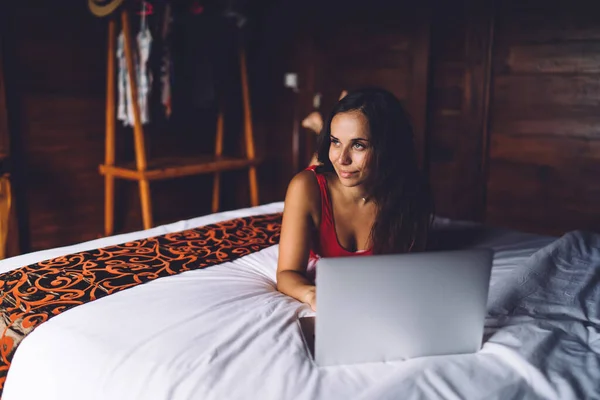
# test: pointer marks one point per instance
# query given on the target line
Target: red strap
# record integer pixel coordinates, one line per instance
(326, 209)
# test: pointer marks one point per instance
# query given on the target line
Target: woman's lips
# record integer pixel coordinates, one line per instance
(347, 174)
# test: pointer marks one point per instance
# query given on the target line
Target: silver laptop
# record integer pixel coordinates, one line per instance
(395, 307)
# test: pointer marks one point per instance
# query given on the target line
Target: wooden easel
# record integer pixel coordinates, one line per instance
(165, 168)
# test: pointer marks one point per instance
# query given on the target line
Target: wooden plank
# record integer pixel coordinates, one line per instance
(572, 186)
(557, 151)
(544, 198)
(542, 206)
(522, 177)
(175, 167)
(575, 58)
(541, 219)
(545, 221)
(248, 132)
(587, 127)
(545, 96)
(544, 150)
(110, 126)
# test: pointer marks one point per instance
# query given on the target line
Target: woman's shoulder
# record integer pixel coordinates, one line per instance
(313, 177)
(304, 191)
(304, 183)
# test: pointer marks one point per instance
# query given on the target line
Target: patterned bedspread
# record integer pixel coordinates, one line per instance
(35, 293)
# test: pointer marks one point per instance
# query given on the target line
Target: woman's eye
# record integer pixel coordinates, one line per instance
(359, 146)
(335, 141)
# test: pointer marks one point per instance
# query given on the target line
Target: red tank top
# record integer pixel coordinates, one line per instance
(327, 243)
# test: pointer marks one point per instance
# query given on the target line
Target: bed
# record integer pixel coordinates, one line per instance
(224, 332)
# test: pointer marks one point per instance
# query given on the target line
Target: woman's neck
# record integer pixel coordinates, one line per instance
(356, 194)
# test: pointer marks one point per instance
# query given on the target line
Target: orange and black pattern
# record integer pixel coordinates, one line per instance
(33, 294)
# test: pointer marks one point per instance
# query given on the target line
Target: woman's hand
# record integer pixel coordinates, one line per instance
(310, 298)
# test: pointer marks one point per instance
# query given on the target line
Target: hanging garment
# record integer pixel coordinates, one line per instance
(123, 109)
(166, 68)
(142, 73)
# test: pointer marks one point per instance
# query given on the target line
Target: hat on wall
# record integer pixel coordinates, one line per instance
(102, 8)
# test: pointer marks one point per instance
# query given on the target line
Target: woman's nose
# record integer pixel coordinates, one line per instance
(345, 158)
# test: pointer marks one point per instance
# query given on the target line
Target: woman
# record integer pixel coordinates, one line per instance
(367, 196)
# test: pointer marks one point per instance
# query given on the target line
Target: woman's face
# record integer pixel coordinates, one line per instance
(350, 147)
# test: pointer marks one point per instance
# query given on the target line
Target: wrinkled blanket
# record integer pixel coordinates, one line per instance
(542, 336)
(549, 312)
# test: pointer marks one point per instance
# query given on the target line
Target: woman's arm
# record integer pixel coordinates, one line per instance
(301, 202)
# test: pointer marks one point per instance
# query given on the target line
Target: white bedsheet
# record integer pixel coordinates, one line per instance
(226, 333)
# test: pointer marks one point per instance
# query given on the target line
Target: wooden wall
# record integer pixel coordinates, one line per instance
(544, 146)
(503, 100)
(514, 130)
(57, 74)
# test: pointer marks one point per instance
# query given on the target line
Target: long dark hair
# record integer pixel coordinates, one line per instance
(396, 184)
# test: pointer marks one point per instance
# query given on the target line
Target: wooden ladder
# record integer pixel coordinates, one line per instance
(168, 167)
